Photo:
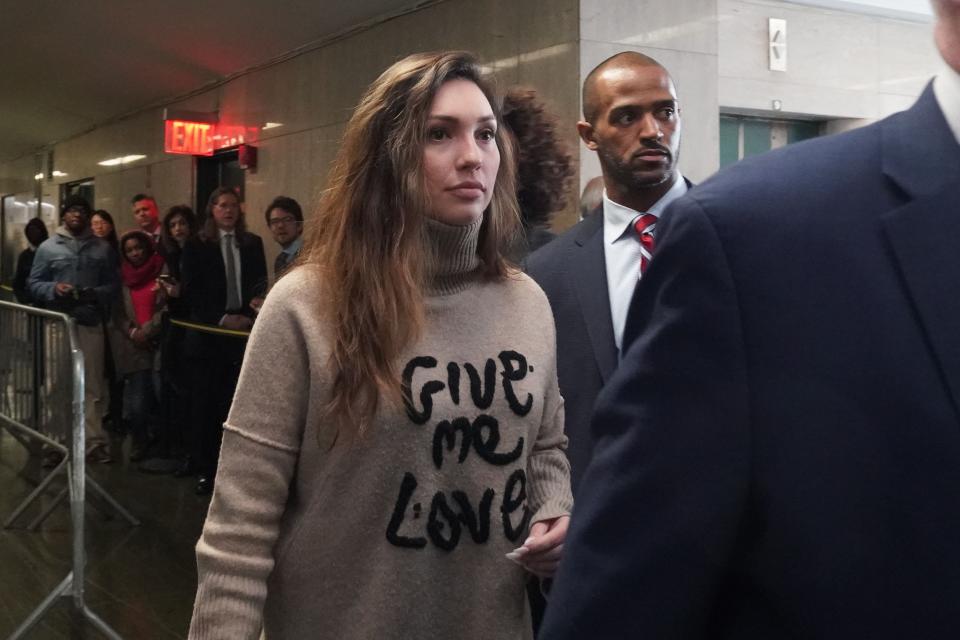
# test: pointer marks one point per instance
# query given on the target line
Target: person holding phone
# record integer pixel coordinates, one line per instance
(399, 470)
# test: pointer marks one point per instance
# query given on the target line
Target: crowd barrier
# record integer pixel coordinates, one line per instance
(42, 406)
(207, 328)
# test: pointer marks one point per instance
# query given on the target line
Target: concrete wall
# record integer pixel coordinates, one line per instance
(533, 42)
(847, 68)
(682, 36)
(840, 65)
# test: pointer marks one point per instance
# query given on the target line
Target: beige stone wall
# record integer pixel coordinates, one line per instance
(533, 42)
(850, 67)
(682, 36)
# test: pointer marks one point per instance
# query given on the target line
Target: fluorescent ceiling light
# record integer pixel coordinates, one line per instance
(272, 125)
(39, 176)
(59, 174)
(112, 162)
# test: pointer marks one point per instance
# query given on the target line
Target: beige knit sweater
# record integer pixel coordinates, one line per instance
(400, 532)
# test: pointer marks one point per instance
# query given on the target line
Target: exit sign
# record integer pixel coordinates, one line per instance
(191, 138)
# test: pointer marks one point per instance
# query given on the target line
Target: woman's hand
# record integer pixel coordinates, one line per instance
(542, 550)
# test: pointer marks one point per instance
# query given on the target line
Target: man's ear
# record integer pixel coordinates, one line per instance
(585, 129)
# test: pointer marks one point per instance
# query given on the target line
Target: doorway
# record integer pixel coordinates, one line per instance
(82, 188)
(219, 170)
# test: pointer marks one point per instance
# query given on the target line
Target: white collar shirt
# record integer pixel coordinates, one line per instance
(621, 252)
(946, 89)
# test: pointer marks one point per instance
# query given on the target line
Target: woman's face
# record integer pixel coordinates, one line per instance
(226, 211)
(178, 228)
(100, 227)
(460, 154)
(134, 251)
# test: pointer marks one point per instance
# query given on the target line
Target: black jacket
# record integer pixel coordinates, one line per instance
(24, 264)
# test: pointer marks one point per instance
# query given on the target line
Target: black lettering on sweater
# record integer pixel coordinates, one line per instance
(453, 381)
(514, 497)
(435, 526)
(478, 525)
(512, 374)
(452, 512)
(446, 434)
(486, 448)
(483, 434)
(482, 392)
(449, 517)
(407, 487)
(426, 392)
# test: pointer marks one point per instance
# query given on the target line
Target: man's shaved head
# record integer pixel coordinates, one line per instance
(622, 60)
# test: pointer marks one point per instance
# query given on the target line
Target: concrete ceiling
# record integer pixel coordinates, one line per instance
(68, 66)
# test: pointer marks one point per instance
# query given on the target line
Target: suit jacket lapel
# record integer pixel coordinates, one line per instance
(590, 280)
(925, 232)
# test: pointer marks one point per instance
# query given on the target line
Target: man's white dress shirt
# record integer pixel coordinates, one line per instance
(621, 249)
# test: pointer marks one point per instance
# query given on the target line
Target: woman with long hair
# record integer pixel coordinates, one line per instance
(393, 464)
(178, 227)
(102, 226)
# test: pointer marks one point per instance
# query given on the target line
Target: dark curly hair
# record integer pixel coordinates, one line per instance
(544, 164)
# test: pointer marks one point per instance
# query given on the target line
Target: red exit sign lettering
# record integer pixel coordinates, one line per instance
(191, 138)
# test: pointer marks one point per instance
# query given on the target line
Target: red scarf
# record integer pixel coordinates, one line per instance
(140, 281)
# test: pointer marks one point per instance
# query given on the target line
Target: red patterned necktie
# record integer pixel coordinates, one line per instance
(644, 226)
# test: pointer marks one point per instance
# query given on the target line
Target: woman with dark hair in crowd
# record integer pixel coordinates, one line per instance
(35, 232)
(179, 225)
(544, 164)
(101, 224)
(137, 321)
(223, 272)
(397, 429)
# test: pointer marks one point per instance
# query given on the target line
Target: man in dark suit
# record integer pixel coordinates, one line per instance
(778, 455)
(632, 120)
(224, 271)
(285, 219)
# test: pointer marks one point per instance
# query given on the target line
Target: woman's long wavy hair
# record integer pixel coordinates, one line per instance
(367, 244)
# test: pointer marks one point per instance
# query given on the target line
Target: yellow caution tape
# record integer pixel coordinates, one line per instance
(206, 328)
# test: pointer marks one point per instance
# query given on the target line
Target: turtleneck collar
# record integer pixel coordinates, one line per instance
(456, 259)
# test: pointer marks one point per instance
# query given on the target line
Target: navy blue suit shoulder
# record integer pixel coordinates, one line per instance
(778, 453)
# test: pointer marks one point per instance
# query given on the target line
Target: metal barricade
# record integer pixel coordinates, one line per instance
(42, 405)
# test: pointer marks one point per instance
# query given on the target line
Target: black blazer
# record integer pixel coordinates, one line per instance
(205, 283)
(572, 271)
(205, 280)
(778, 454)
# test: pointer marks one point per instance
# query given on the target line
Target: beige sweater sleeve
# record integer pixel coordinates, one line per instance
(261, 444)
(548, 469)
